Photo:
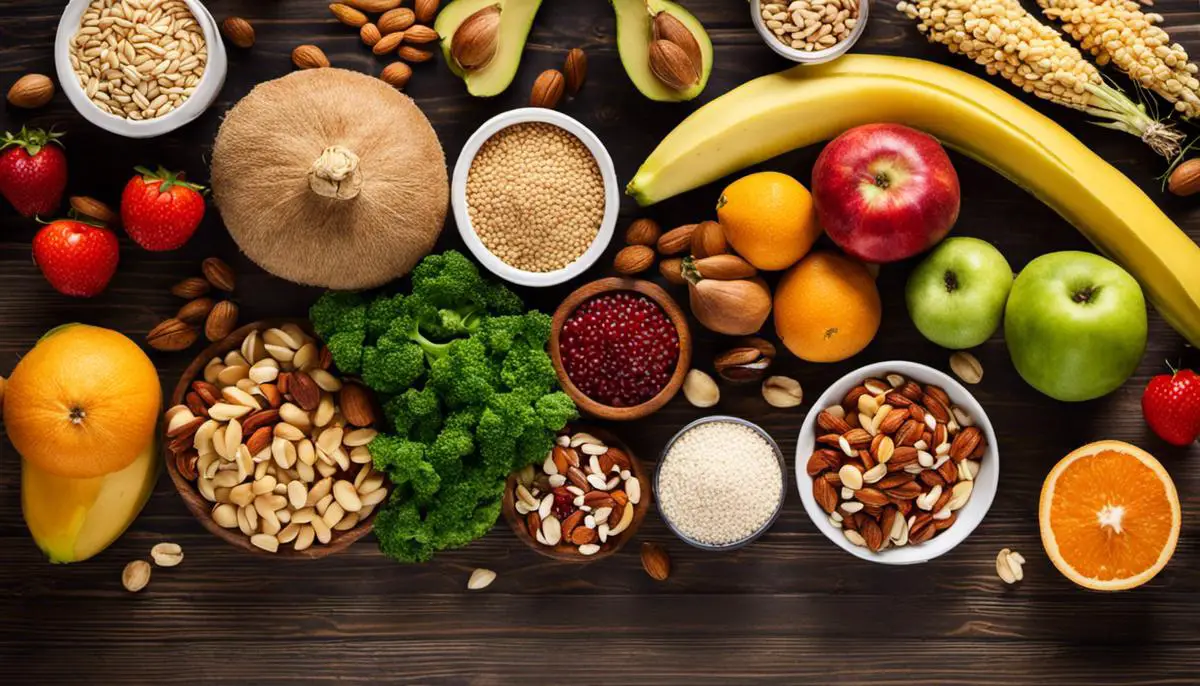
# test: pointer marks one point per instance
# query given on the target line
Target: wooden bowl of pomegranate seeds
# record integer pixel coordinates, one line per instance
(305, 502)
(584, 502)
(621, 348)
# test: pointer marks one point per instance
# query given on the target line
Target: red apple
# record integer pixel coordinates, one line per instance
(884, 192)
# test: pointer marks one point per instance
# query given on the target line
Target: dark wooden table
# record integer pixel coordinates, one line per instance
(792, 607)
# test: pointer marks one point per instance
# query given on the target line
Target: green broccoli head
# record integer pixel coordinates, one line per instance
(465, 375)
(346, 348)
(555, 410)
(528, 372)
(502, 334)
(405, 465)
(415, 414)
(392, 369)
(451, 281)
(382, 312)
(337, 311)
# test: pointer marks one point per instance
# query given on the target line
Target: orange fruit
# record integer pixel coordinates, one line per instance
(83, 403)
(768, 218)
(827, 308)
(1109, 516)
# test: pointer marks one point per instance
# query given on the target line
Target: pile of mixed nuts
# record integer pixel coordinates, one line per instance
(895, 461)
(277, 443)
(583, 496)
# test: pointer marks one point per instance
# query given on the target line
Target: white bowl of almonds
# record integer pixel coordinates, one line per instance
(897, 463)
(139, 68)
(810, 31)
(269, 448)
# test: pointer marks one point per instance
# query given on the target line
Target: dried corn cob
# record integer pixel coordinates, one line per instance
(1007, 40)
(1117, 31)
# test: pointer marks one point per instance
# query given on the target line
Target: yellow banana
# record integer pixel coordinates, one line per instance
(808, 104)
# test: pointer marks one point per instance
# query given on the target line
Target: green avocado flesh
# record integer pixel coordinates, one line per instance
(635, 31)
(516, 18)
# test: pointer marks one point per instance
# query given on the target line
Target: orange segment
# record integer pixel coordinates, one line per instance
(1109, 516)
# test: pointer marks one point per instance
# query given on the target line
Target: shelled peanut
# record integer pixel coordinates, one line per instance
(277, 442)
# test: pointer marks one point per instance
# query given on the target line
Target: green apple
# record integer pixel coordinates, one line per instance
(1075, 325)
(956, 294)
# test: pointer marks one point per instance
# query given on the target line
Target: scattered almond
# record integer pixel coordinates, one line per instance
(677, 240)
(192, 287)
(700, 389)
(348, 15)
(31, 91)
(1009, 566)
(419, 35)
(426, 10)
(724, 268)
(374, 5)
(415, 55)
(633, 259)
(172, 335)
(643, 232)
(548, 90)
(93, 208)
(309, 57)
(1185, 178)
(357, 407)
(238, 31)
(668, 27)
(396, 74)
(656, 561)
(672, 270)
(708, 239)
(219, 274)
(480, 579)
(195, 311)
(394, 20)
(388, 43)
(221, 321)
(370, 35)
(575, 70)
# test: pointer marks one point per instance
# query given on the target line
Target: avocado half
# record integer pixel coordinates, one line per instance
(635, 31)
(516, 19)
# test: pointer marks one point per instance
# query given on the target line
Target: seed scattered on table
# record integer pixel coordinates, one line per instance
(535, 197)
(138, 59)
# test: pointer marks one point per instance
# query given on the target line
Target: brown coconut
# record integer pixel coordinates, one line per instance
(331, 178)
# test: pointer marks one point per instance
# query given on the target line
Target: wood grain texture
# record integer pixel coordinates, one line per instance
(791, 608)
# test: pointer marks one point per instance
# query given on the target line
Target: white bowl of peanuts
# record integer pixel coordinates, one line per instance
(883, 449)
(810, 31)
(139, 68)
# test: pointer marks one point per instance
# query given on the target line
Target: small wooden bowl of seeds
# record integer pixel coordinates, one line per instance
(584, 502)
(268, 447)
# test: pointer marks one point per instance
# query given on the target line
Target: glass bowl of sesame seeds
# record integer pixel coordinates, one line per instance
(535, 196)
(139, 68)
(720, 483)
(810, 31)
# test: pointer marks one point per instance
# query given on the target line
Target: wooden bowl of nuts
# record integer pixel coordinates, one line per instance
(584, 502)
(268, 447)
(621, 348)
(897, 463)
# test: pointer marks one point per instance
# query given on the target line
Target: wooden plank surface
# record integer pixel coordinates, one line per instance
(790, 608)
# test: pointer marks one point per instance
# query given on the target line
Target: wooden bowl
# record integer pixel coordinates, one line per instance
(673, 312)
(565, 552)
(202, 509)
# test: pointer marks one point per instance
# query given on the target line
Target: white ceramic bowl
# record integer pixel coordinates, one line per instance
(204, 95)
(969, 516)
(809, 57)
(458, 196)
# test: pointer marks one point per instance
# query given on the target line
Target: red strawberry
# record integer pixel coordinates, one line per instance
(77, 258)
(1171, 406)
(161, 211)
(33, 171)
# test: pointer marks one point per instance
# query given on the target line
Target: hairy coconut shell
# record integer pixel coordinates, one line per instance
(330, 178)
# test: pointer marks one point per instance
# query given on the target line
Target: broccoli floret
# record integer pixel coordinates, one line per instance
(405, 465)
(337, 311)
(465, 375)
(448, 451)
(528, 372)
(382, 312)
(451, 281)
(501, 334)
(555, 410)
(346, 347)
(392, 371)
(415, 414)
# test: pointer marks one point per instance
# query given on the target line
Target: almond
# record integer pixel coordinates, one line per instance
(825, 494)
(415, 55)
(669, 28)
(374, 6)
(583, 535)
(191, 288)
(208, 393)
(676, 240)
(893, 420)
(398, 19)
(633, 259)
(723, 267)
(871, 496)
(195, 311)
(671, 65)
(388, 43)
(475, 40)
(357, 406)
(396, 74)
(426, 10)
(309, 57)
(575, 72)
(871, 533)
(172, 335)
(239, 32)
(370, 35)
(823, 460)
(832, 423)
(643, 232)
(187, 464)
(534, 523)
(672, 271)
(259, 440)
(1185, 179)
(187, 428)
(708, 240)
(908, 433)
(93, 208)
(31, 91)
(221, 321)
(965, 443)
(620, 457)
(260, 419)
(348, 15)
(858, 438)
(420, 35)
(572, 521)
(304, 391)
(656, 561)
(219, 274)
(936, 407)
(548, 91)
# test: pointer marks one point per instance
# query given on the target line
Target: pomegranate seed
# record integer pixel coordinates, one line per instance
(619, 349)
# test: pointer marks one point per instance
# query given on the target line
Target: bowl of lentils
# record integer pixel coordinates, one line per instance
(535, 196)
(720, 483)
(620, 347)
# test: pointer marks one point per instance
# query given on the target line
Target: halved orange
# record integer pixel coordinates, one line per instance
(1109, 516)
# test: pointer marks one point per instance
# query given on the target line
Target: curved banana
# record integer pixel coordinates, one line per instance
(808, 104)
